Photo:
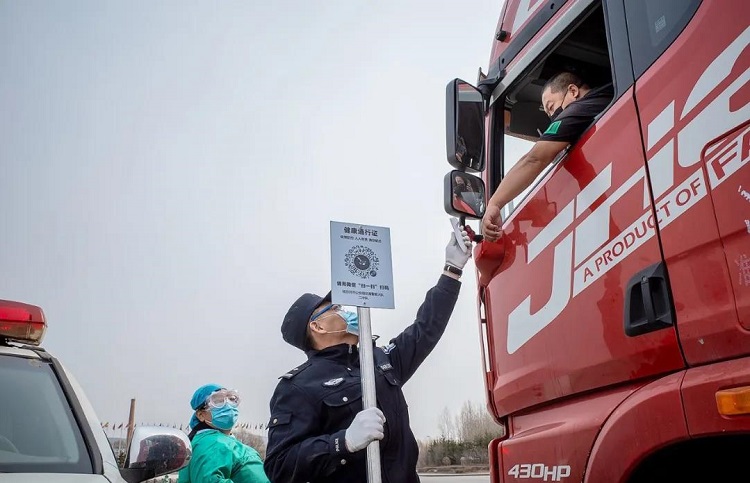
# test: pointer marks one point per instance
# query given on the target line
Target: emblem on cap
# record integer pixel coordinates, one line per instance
(333, 382)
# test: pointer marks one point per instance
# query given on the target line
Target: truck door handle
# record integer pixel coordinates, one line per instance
(648, 302)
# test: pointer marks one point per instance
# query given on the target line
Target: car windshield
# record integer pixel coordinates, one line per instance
(38, 433)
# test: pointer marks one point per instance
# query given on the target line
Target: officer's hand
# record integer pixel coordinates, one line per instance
(453, 253)
(491, 223)
(366, 428)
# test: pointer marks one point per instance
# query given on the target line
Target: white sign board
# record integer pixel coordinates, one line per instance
(361, 266)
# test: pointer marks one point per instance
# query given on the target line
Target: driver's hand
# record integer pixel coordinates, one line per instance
(491, 223)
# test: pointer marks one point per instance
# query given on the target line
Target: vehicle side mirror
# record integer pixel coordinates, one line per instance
(464, 126)
(464, 195)
(155, 451)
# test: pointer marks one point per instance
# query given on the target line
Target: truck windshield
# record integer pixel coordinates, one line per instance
(38, 433)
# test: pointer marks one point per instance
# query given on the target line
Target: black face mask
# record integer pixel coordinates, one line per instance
(559, 109)
(555, 114)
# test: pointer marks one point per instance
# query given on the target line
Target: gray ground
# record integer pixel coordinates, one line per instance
(455, 479)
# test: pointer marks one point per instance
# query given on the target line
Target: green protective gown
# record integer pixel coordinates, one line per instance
(219, 458)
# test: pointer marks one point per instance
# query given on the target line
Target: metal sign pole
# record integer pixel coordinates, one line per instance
(363, 253)
(369, 400)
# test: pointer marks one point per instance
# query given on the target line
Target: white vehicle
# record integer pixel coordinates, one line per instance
(48, 429)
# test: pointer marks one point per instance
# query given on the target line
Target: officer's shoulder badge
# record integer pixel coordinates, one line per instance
(333, 382)
(295, 371)
(388, 348)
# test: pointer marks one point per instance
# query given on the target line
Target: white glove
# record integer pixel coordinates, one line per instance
(366, 428)
(453, 253)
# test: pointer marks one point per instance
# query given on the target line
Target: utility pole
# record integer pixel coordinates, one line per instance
(131, 424)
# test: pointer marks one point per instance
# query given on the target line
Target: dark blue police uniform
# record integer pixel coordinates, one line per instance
(315, 403)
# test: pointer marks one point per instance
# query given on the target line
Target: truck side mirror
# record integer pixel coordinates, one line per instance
(464, 126)
(155, 451)
(464, 195)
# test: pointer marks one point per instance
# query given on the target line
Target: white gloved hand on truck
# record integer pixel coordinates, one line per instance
(454, 255)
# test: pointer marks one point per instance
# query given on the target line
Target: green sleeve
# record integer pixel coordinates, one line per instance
(184, 475)
(251, 470)
(212, 463)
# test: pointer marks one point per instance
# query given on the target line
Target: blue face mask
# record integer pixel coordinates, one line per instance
(351, 319)
(352, 322)
(225, 417)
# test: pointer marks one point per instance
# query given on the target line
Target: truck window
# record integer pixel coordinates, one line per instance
(519, 119)
(38, 433)
(513, 148)
(653, 26)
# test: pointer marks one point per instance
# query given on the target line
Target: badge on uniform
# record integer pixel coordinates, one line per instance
(333, 382)
(387, 349)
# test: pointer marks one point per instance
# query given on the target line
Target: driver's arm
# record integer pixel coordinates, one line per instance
(525, 171)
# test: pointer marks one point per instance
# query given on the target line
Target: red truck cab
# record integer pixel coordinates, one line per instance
(615, 309)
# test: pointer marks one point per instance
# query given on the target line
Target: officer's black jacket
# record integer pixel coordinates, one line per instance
(315, 402)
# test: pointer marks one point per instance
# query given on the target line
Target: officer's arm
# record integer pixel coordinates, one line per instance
(296, 450)
(410, 348)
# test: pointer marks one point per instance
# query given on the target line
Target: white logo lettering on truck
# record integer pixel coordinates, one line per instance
(539, 471)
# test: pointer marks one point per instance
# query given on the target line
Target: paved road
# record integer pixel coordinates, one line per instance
(423, 478)
(455, 479)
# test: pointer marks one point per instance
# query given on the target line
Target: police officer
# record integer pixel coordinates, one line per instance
(318, 430)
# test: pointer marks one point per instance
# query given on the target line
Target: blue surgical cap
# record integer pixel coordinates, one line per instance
(200, 396)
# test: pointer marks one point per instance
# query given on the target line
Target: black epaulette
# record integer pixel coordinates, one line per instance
(296, 370)
(382, 359)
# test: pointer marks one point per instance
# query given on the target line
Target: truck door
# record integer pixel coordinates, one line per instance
(557, 305)
(691, 62)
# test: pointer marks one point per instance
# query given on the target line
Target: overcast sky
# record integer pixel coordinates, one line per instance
(168, 171)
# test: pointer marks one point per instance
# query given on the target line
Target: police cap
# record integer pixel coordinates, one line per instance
(294, 327)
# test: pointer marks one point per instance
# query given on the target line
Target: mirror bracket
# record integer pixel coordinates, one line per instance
(487, 86)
